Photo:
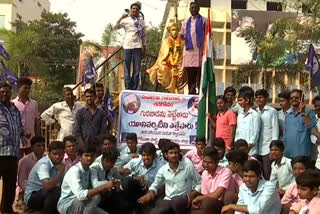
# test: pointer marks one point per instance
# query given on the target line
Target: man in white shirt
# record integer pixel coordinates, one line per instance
(64, 112)
(248, 121)
(284, 101)
(134, 44)
(269, 129)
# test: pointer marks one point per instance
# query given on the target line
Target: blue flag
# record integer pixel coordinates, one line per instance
(3, 52)
(11, 78)
(107, 105)
(2, 78)
(89, 74)
(313, 66)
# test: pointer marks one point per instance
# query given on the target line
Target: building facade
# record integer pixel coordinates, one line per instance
(226, 18)
(25, 10)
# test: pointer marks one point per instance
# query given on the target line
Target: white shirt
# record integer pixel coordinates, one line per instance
(282, 175)
(314, 141)
(281, 118)
(131, 37)
(248, 129)
(269, 129)
(64, 115)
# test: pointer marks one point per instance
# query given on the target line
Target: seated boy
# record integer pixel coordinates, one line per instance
(196, 154)
(107, 142)
(215, 182)
(77, 196)
(43, 186)
(299, 165)
(281, 169)
(129, 152)
(162, 144)
(71, 147)
(242, 145)
(142, 173)
(236, 161)
(27, 162)
(102, 172)
(308, 188)
(255, 195)
(182, 184)
(220, 146)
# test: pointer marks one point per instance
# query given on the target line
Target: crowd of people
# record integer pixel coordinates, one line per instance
(259, 161)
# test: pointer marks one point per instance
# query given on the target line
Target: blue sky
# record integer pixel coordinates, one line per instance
(92, 16)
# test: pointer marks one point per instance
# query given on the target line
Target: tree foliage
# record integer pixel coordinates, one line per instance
(47, 48)
(286, 36)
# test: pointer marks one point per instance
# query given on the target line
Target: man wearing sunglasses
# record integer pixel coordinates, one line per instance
(298, 126)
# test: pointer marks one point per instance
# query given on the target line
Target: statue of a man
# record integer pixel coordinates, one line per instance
(167, 70)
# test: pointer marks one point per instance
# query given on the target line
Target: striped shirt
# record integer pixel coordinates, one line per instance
(88, 125)
(11, 130)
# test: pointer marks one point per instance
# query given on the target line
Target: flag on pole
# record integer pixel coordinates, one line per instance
(89, 74)
(207, 95)
(313, 66)
(11, 78)
(107, 105)
(3, 52)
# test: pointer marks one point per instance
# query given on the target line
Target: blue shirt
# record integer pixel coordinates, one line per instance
(248, 129)
(98, 174)
(76, 184)
(297, 134)
(178, 183)
(137, 168)
(125, 157)
(161, 157)
(43, 169)
(269, 129)
(11, 130)
(264, 201)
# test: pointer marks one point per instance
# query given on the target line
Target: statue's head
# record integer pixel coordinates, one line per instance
(173, 30)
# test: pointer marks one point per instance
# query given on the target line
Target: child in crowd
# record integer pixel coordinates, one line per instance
(196, 154)
(182, 184)
(26, 164)
(256, 195)
(142, 173)
(284, 101)
(236, 161)
(269, 130)
(107, 142)
(299, 165)
(129, 152)
(162, 144)
(230, 94)
(77, 196)
(220, 146)
(242, 145)
(102, 172)
(281, 173)
(308, 190)
(43, 186)
(70, 156)
(248, 121)
(215, 182)
(226, 123)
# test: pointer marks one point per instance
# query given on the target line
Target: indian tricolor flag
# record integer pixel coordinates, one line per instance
(207, 95)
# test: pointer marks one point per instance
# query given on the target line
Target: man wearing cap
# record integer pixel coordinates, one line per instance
(134, 44)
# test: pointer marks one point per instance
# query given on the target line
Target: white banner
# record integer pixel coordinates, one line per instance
(153, 116)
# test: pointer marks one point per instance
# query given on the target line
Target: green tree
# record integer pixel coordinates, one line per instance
(57, 44)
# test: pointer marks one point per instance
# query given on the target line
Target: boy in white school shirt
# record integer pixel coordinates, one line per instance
(248, 121)
(77, 196)
(256, 195)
